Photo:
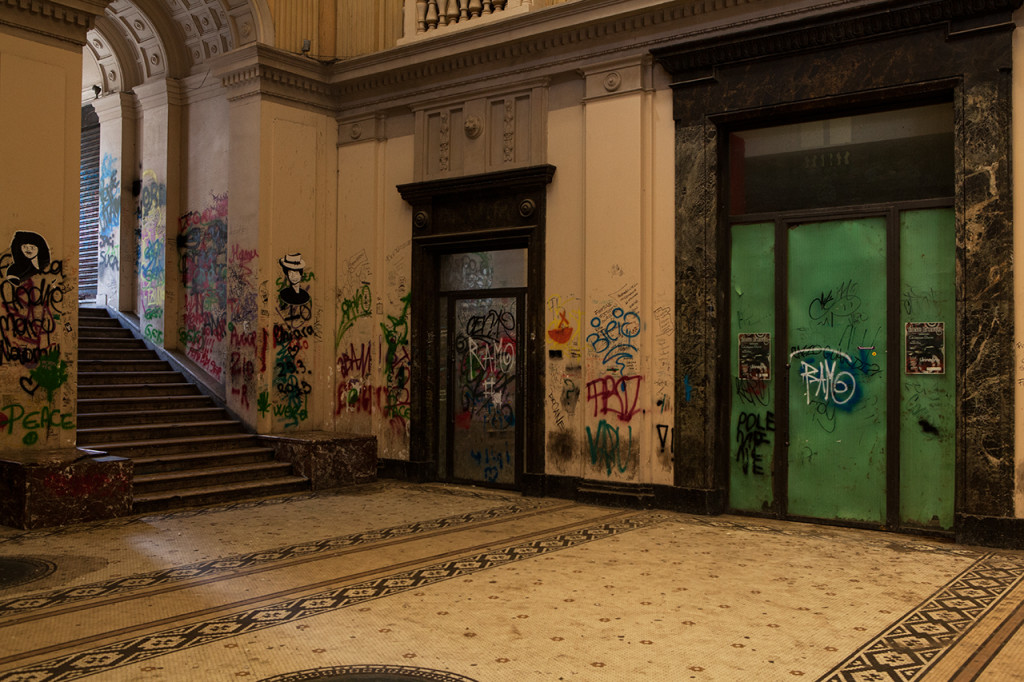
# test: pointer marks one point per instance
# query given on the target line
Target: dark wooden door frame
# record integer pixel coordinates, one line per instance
(505, 209)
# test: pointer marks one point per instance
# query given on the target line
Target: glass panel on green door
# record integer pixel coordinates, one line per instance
(928, 385)
(837, 388)
(752, 377)
(484, 373)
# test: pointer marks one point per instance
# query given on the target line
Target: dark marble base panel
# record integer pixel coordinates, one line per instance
(989, 531)
(61, 487)
(328, 460)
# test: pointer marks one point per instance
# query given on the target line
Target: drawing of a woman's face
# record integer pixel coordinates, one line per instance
(30, 250)
(294, 276)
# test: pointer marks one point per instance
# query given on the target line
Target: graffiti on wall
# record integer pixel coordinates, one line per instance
(486, 347)
(242, 323)
(202, 261)
(32, 293)
(565, 320)
(612, 338)
(358, 304)
(611, 447)
(152, 215)
(397, 367)
(752, 432)
(108, 253)
(292, 337)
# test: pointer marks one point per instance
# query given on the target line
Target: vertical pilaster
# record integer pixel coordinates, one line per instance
(614, 299)
(117, 115)
(160, 161)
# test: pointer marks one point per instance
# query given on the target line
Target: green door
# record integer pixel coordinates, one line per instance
(842, 381)
(836, 328)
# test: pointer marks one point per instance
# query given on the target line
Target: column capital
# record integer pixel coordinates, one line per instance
(115, 106)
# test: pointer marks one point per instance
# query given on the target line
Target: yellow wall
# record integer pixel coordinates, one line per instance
(40, 90)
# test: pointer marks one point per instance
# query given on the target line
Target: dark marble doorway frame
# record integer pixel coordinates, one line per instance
(860, 59)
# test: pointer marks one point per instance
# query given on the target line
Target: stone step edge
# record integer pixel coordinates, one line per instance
(199, 491)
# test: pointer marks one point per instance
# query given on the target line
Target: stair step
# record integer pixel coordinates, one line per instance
(186, 449)
(141, 403)
(217, 494)
(104, 343)
(195, 478)
(200, 460)
(182, 417)
(106, 334)
(136, 378)
(136, 390)
(156, 432)
(123, 365)
(180, 445)
(129, 354)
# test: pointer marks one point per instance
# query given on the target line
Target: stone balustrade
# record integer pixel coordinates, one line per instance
(433, 14)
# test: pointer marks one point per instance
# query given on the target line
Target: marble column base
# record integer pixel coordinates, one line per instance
(327, 459)
(61, 487)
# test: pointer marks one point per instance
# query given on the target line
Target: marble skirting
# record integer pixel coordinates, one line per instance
(61, 487)
(328, 460)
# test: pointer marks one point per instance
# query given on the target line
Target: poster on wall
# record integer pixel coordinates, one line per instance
(755, 357)
(926, 347)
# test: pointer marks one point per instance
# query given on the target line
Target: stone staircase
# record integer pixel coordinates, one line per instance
(187, 451)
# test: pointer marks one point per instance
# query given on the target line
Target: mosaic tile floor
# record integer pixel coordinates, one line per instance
(393, 581)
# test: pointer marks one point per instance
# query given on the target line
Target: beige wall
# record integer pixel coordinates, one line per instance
(370, 337)
(610, 277)
(40, 90)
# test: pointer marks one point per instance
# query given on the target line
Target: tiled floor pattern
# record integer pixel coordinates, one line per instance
(482, 585)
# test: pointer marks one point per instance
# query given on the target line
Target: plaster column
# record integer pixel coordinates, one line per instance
(282, 241)
(160, 159)
(617, 238)
(117, 116)
(40, 132)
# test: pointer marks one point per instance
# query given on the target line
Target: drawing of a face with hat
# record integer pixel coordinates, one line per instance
(293, 266)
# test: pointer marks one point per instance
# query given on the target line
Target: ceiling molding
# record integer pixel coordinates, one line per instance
(65, 22)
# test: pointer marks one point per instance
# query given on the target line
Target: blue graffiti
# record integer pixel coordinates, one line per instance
(493, 461)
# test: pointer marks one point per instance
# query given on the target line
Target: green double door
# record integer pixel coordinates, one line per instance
(842, 375)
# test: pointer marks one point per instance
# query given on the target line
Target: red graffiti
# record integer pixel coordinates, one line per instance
(615, 395)
(563, 332)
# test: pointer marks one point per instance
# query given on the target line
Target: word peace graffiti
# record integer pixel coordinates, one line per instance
(32, 422)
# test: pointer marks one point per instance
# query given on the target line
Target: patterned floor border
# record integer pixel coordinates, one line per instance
(106, 658)
(26, 603)
(918, 640)
(361, 489)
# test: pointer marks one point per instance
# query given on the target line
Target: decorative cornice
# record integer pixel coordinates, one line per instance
(66, 21)
(691, 61)
(260, 70)
(558, 39)
(511, 181)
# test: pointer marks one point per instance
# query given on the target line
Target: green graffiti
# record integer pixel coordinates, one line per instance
(51, 373)
(263, 403)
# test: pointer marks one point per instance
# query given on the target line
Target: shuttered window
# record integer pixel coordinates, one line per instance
(89, 206)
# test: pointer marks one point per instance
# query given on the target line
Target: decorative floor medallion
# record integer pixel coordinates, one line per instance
(371, 673)
(21, 570)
